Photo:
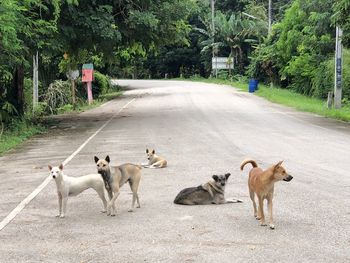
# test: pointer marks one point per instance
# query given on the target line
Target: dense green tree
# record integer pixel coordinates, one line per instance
(300, 42)
(121, 32)
(107, 33)
(26, 26)
(342, 18)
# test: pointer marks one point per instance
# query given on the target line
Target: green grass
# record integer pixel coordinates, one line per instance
(302, 103)
(111, 95)
(17, 132)
(20, 130)
(287, 98)
(84, 106)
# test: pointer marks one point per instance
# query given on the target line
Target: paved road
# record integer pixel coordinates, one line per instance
(202, 129)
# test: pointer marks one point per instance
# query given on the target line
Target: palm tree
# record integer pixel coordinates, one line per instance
(233, 32)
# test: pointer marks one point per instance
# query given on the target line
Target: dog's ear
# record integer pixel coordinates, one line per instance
(61, 167)
(50, 167)
(278, 164)
(96, 159)
(227, 175)
(107, 159)
(147, 150)
(153, 151)
(215, 177)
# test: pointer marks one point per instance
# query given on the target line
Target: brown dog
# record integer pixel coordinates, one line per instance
(115, 177)
(262, 183)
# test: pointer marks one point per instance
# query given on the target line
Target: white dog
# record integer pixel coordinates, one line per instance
(72, 186)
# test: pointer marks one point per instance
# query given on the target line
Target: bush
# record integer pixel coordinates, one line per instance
(323, 81)
(101, 84)
(57, 95)
(65, 108)
(40, 110)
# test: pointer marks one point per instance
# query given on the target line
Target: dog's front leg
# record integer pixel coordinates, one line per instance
(110, 195)
(261, 211)
(111, 204)
(64, 206)
(104, 201)
(156, 165)
(101, 194)
(59, 204)
(145, 165)
(269, 203)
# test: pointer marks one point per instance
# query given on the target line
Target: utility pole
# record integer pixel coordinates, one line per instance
(213, 34)
(338, 68)
(270, 16)
(35, 80)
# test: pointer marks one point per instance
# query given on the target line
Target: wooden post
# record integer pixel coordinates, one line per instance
(73, 92)
(330, 100)
(89, 92)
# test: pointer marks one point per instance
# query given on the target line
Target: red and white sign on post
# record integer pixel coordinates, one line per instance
(88, 77)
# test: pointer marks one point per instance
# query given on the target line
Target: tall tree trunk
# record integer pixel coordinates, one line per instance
(17, 94)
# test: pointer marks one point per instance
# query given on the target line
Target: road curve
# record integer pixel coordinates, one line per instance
(202, 129)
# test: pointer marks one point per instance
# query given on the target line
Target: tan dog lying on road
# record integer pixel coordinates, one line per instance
(262, 183)
(154, 161)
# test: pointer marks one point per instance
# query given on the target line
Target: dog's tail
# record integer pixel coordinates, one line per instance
(254, 164)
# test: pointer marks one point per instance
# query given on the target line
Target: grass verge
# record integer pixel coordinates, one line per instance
(288, 98)
(17, 132)
(20, 130)
(83, 106)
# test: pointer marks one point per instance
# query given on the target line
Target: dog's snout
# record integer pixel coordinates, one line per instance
(288, 178)
(54, 176)
(223, 184)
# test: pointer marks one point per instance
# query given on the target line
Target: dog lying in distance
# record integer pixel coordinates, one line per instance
(261, 183)
(115, 177)
(72, 186)
(155, 161)
(212, 192)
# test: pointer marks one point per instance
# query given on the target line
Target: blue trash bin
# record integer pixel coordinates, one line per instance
(253, 85)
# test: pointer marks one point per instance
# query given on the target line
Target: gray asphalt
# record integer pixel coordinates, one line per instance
(202, 129)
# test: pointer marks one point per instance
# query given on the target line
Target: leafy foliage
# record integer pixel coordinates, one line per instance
(101, 83)
(57, 95)
(302, 41)
(341, 17)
